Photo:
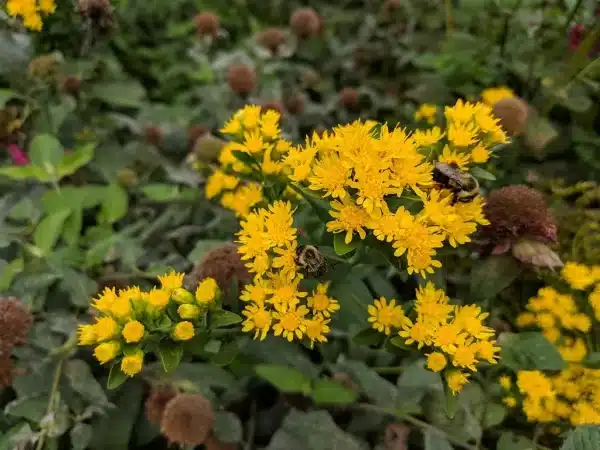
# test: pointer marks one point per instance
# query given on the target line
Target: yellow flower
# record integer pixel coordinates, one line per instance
(290, 321)
(420, 241)
(107, 351)
(86, 335)
(349, 218)
(456, 380)
(218, 182)
(461, 112)
(257, 292)
(187, 311)
(480, 154)
(417, 332)
(133, 331)
(286, 261)
(250, 116)
(427, 138)
(170, 281)
(257, 319)
(462, 135)
(493, 95)
(487, 350)
(465, 356)
(534, 383)
(436, 361)
(106, 328)
(330, 176)
(232, 127)
(206, 293)
(511, 402)
(426, 112)
(578, 276)
(432, 306)
(183, 331)
(158, 299)
(285, 291)
(316, 329)
(132, 364)
(470, 319)
(386, 315)
(105, 300)
(269, 124)
(505, 382)
(121, 308)
(278, 224)
(448, 337)
(321, 303)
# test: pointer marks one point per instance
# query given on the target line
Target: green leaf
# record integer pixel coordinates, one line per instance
(81, 436)
(368, 336)
(75, 160)
(492, 276)
(340, 246)
(29, 407)
(46, 151)
(244, 157)
(592, 361)
(329, 392)
(226, 354)
(320, 206)
(204, 374)
(221, 318)
(9, 271)
(479, 173)
(510, 441)
(530, 351)
(314, 430)
(201, 248)
(398, 341)
(49, 229)
(161, 192)
(127, 94)
(170, 355)
(227, 427)
(72, 227)
(116, 377)
(379, 390)
(81, 379)
(435, 441)
(586, 437)
(114, 203)
(79, 286)
(286, 379)
(19, 172)
(5, 96)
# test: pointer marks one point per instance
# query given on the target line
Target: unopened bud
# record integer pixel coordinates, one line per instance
(188, 311)
(181, 295)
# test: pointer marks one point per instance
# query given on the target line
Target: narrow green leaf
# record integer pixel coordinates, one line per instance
(72, 227)
(49, 229)
(116, 377)
(9, 271)
(18, 172)
(126, 94)
(481, 174)
(397, 341)
(46, 151)
(170, 355)
(161, 192)
(114, 203)
(244, 157)
(72, 162)
(329, 392)
(286, 379)
(222, 318)
(592, 361)
(368, 336)
(341, 247)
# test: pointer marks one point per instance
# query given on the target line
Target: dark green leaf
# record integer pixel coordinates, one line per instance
(81, 436)
(170, 355)
(227, 427)
(204, 374)
(510, 441)
(72, 227)
(49, 229)
(340, 246)
(492, 276)
(9, 271)
(81, 379)
(161, 192)
(75, 160)
(398, 341)
(530, 351)
(221, 318)
(586, 437)
(114, 203)
(46, 151)
(368, 336)
(244, 157)
(116, 377)
(320, 206)
(79, 285)
(592, 361)
(128, 94)
(379, 390)
(31, 408)
(329, 392)
(436, 441)
(286, 379)
(226, 354)
(481, 174)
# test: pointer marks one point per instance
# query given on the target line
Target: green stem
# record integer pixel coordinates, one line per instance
(52, 400)
(572, 15)
(388, 370)
(506, 26)
(448, 7)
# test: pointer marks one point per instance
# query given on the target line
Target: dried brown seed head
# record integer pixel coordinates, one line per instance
(154, 135)
(156, 403)
(305, 23)
(15, 323)
(513, 113)
(272, 39)
(241, 79)
(349, 98)
(295, 104)
(187, 419)
(207, 24)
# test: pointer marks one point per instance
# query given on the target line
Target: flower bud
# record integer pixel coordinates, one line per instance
(181, 295)
(188, 311)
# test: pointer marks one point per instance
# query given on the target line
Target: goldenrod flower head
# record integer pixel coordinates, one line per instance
(385, 316)
(493, 95)
(436, 361)
(218, 182)
(578, 276)
(183, 331)
(86, 335)
(316, 329)
(188, 311)
(426, 112)
(427, 138)
(107, 351)
(206, 292)
(534, 383)
(349, 218)
(505, 382)
(511, 402)
(121, 307)
(105, 300)
(181, 295)
(456, 380)
(455, 158)
(290, 321)
(257, 319)
(132, 364)
(170, 281)
(158, 299)
(106, 328)
(30, 10)
(480, 154)
(133, 331)
(321, 303)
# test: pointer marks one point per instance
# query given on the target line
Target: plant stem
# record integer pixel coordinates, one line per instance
(572, 15)
(388, 370)
(448, 7)
(506, 26)
(52, 399)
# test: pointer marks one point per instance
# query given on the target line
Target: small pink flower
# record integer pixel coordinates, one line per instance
(19, 157)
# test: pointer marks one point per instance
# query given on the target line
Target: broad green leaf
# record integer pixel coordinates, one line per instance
(510, 441)
(170, 355)
(592, 361)
(114, 203)
(227, 427)
(492, 276)
(161, 192)
(340, 246)
(19, 172)
(29, 407)
(586, 437)
(81, 379)
(9, 271)
(46, 151)
(72, 227)
(286, 379)
(530, 351)
(204, 374)
(127, 94)
(368, 336)
(81, 436)
(75, 160)
(80, 287)
(277, 351)
(379, 390)
(226, 354)
(329, 392)
(221, 318)
(49, 229)
(314, 430)
(116, 377)
(481, 174)
(436, 441)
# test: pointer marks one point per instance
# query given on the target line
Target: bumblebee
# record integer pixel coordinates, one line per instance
(463, 185)
(311, 261)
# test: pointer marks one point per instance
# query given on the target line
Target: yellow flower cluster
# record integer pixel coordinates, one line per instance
(571, 397)
(30, 11)
(132, 321)
(455, 335)
(568, 321)
(427, 113)
(493, 95)
(276, 302)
